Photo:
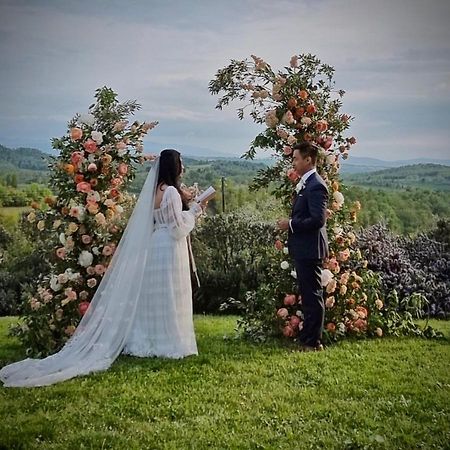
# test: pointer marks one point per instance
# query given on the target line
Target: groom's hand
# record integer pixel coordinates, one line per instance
(283, 224)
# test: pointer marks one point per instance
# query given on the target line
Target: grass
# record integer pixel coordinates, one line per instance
(374, 394)
(12, 213)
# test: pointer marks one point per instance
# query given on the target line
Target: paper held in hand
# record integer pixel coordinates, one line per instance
(208, 194)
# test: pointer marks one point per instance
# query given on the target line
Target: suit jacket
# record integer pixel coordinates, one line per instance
(308, 237)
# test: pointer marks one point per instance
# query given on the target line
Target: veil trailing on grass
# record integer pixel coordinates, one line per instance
(103, 330)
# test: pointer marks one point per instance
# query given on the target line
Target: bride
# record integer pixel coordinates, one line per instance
(143, 305)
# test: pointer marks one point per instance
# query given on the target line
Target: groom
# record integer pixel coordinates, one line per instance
(307, 241)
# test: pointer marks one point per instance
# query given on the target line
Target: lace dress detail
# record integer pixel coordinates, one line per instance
(163, 323)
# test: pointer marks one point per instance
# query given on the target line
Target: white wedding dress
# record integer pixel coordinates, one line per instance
(143, 305)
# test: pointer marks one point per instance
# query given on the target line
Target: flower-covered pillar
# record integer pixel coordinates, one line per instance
(81, 225)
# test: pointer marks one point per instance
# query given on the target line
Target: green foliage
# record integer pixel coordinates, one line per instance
(389, 394)
(232, 251)
(432, 177)
(405, 211)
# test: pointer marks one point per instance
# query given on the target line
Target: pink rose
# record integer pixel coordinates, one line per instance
(100, 269)
(294, 322)
(76, 158)
(86, 239)
(61, 252)
(92, 167)
(83, 307)
(90, 146)
(290, 300)
(287, 150)
(107, 250)
(84, 187)
(288, 331)
(292, 175)
(331, 327)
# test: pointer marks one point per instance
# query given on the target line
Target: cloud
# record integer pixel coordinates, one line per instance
(392, 58)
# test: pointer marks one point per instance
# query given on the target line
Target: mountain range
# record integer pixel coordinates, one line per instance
(34, 159)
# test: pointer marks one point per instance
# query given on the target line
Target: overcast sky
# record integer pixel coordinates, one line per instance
(391, 56)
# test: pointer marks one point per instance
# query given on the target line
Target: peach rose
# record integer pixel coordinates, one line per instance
(69, 168)
(321, 125)
(282, 313)
(123, 169)
(70, 330)
(279, 245)
(331, 327)
(379, 332)
(90, 270)
(329, 302)
(303, 94)
(76, 134)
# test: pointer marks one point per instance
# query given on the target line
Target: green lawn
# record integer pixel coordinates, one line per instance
(375, 394)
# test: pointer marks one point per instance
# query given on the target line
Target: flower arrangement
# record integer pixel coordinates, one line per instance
(297, 104)
(82, 223)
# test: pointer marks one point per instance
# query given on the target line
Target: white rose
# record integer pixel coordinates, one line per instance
(95, 251)
(293, 274)
(284, 265)
(286, 251)
(97, 136)
(87, 119)
(54, 285)
(62, 238)
(326, 277)
(85, 259)
(271, 119)
(119, 209)
(338, 197)
(306, 121)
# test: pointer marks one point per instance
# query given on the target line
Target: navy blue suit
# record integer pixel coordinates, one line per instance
(308, 246)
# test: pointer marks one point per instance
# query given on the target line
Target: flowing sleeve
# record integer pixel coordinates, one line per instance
(180, 222)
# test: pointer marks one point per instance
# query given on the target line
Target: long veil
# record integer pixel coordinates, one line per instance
(103, 330)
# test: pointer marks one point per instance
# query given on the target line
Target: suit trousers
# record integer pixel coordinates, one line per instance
(311, 291)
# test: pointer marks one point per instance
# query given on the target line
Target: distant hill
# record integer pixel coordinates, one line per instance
(356, 164)
(424, 176)
(29, 164)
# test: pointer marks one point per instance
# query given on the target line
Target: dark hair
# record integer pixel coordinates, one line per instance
(307, 149)
(170, 169)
